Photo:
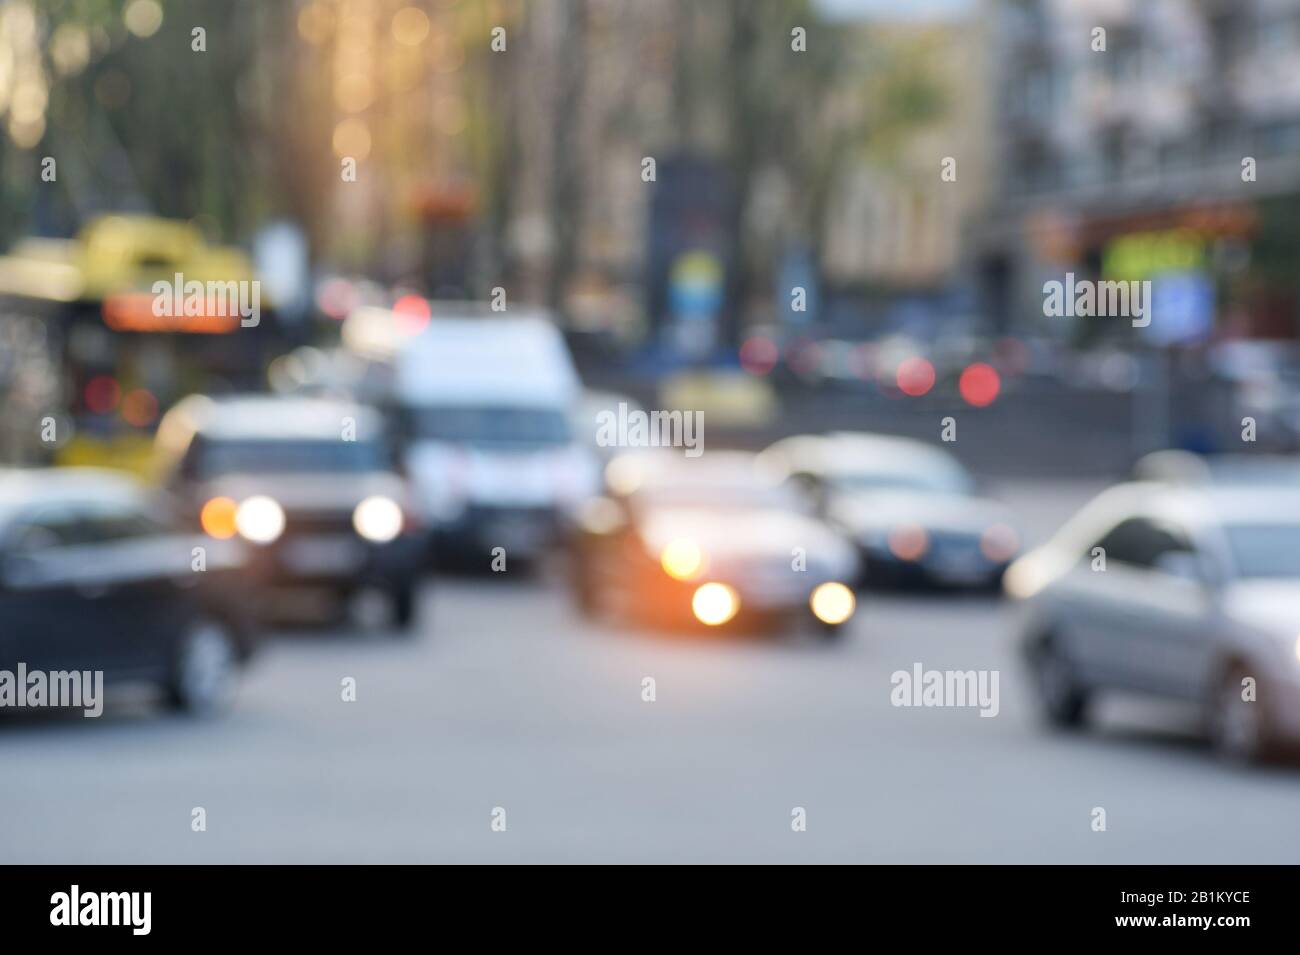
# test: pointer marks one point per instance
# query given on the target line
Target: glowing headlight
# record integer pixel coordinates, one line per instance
(715, 604)
(218, 517)
(378, 519)
(1297, 648)
(259, 519)
(681, 559)
(832, 603)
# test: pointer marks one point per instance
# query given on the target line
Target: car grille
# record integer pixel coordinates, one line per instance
(954, 546)
(317, 523)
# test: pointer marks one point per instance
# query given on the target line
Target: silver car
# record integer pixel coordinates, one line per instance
(1188, 592)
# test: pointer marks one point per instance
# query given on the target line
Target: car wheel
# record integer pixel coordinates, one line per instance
(1239, 729)
(204, 680)
(1063, 700)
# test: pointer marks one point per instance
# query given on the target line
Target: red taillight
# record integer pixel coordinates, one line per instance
(979, 384)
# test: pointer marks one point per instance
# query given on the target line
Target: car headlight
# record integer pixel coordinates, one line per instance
(1297, 649)
(832, 603)
(378, 519)
(259, 519)
(681, 559)
(714, 604)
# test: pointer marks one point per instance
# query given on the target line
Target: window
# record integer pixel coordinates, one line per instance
(61, 526)
(209, 458)
(1265, 550)
(83, 523)
(1139, 542)
(106, 523)
(487, 425)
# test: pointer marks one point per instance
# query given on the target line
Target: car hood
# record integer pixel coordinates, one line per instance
(310, 492)
(1271, 604)
(868, 511)
(746, 534)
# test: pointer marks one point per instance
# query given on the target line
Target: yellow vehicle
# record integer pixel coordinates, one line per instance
(101, 333)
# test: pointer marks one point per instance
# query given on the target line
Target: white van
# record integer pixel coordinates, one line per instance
(485, 407)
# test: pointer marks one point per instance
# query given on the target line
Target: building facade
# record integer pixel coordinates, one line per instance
(1143, 139)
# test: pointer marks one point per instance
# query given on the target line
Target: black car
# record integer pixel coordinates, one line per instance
(310, 483)
(95, 577)
(911, 507)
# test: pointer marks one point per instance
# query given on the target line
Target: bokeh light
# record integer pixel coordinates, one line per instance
(915, 376)
(139, 408)
(352, 138)
(102, 394)
(217, 518)
(410, 26)
(979, 384)
(714, 604)
(758, 355)
(833, 603)
(681, 559)
(143, 17)
(354, 92)
(412, 312)
(316, 23)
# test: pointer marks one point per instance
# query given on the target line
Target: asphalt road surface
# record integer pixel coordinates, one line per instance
(507, 699)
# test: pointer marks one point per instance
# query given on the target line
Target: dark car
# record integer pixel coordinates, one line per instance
(310, 483)
(707, 538)
(94, 576)
(911, 508)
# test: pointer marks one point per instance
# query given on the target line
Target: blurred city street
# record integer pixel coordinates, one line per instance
(507, 698)
(416, 414)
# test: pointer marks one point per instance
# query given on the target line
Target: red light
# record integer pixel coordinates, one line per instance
(758, 355)
(139, 408)
(412, 313)
(979, 384)
(915, 377)
(102, 394)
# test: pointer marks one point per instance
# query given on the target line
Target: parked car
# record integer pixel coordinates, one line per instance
(96, 574)
(677, 539)
(310, 483)
(1185, 591)
(912, 509)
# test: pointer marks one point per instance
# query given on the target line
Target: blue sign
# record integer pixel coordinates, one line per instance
(1181, 308)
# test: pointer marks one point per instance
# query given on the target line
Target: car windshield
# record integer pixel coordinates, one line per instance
(280, 457)
(1265, 550)
(492, 425)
